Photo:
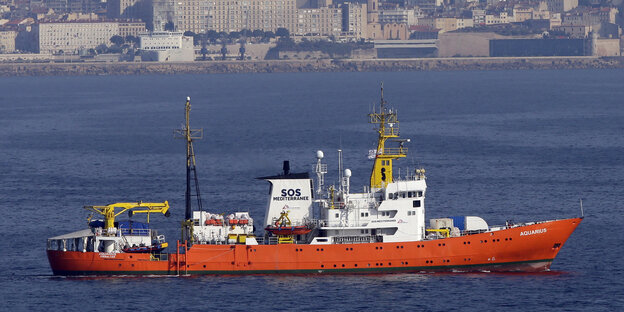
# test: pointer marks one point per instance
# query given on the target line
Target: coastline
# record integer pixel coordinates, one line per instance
(320, 65)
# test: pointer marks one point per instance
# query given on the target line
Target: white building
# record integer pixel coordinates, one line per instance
(166, 46)
(71, 37)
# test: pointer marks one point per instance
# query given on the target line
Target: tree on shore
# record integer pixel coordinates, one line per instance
(282, 32)
(117, 40)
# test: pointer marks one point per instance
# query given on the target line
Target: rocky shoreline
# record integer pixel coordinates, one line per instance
(323, 65)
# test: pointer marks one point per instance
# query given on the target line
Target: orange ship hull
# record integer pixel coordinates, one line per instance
(530, 248)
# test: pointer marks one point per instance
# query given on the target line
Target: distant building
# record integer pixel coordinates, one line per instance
(555, 20)
(163, 12)
(574, 31)
(443, 24)
(522, 13)
(7, 41)
(561, 6)
(71, 37)
(398, 16)
(199, 16)
(131, 28)
(323, 21)
(478, 17)
(465, 23)
(590, 17)
(354, 20)
(395, 31)
(123, 8)
(74, 6)
(494, 19)
(166, 47)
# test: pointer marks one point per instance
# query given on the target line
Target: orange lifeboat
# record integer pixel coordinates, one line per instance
(283, 226)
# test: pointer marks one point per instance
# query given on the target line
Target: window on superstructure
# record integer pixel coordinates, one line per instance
(416, 204)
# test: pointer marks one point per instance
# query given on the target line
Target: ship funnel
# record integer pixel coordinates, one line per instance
(286, 167)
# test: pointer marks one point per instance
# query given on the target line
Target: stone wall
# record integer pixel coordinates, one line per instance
(327, 65)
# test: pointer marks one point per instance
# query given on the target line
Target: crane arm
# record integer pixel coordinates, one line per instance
(110, 214)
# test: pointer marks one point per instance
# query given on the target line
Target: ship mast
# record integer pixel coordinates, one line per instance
(388, 128)
(189, 134)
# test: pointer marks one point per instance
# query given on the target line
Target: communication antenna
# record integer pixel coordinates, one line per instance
(321, 170)
(340, 168)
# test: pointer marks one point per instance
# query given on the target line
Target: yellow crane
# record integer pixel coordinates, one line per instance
(109, 212)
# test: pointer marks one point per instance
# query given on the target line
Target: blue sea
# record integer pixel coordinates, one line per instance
(520, 145)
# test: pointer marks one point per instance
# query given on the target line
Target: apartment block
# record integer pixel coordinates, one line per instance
(561, 6)
(324, 21)
(71, 37)
(131, 28)
(354, 20)
(7, 41)
(235, 15)
(398, 16)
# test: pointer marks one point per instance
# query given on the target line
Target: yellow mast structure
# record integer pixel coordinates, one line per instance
(388, 128)
(110, 214)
